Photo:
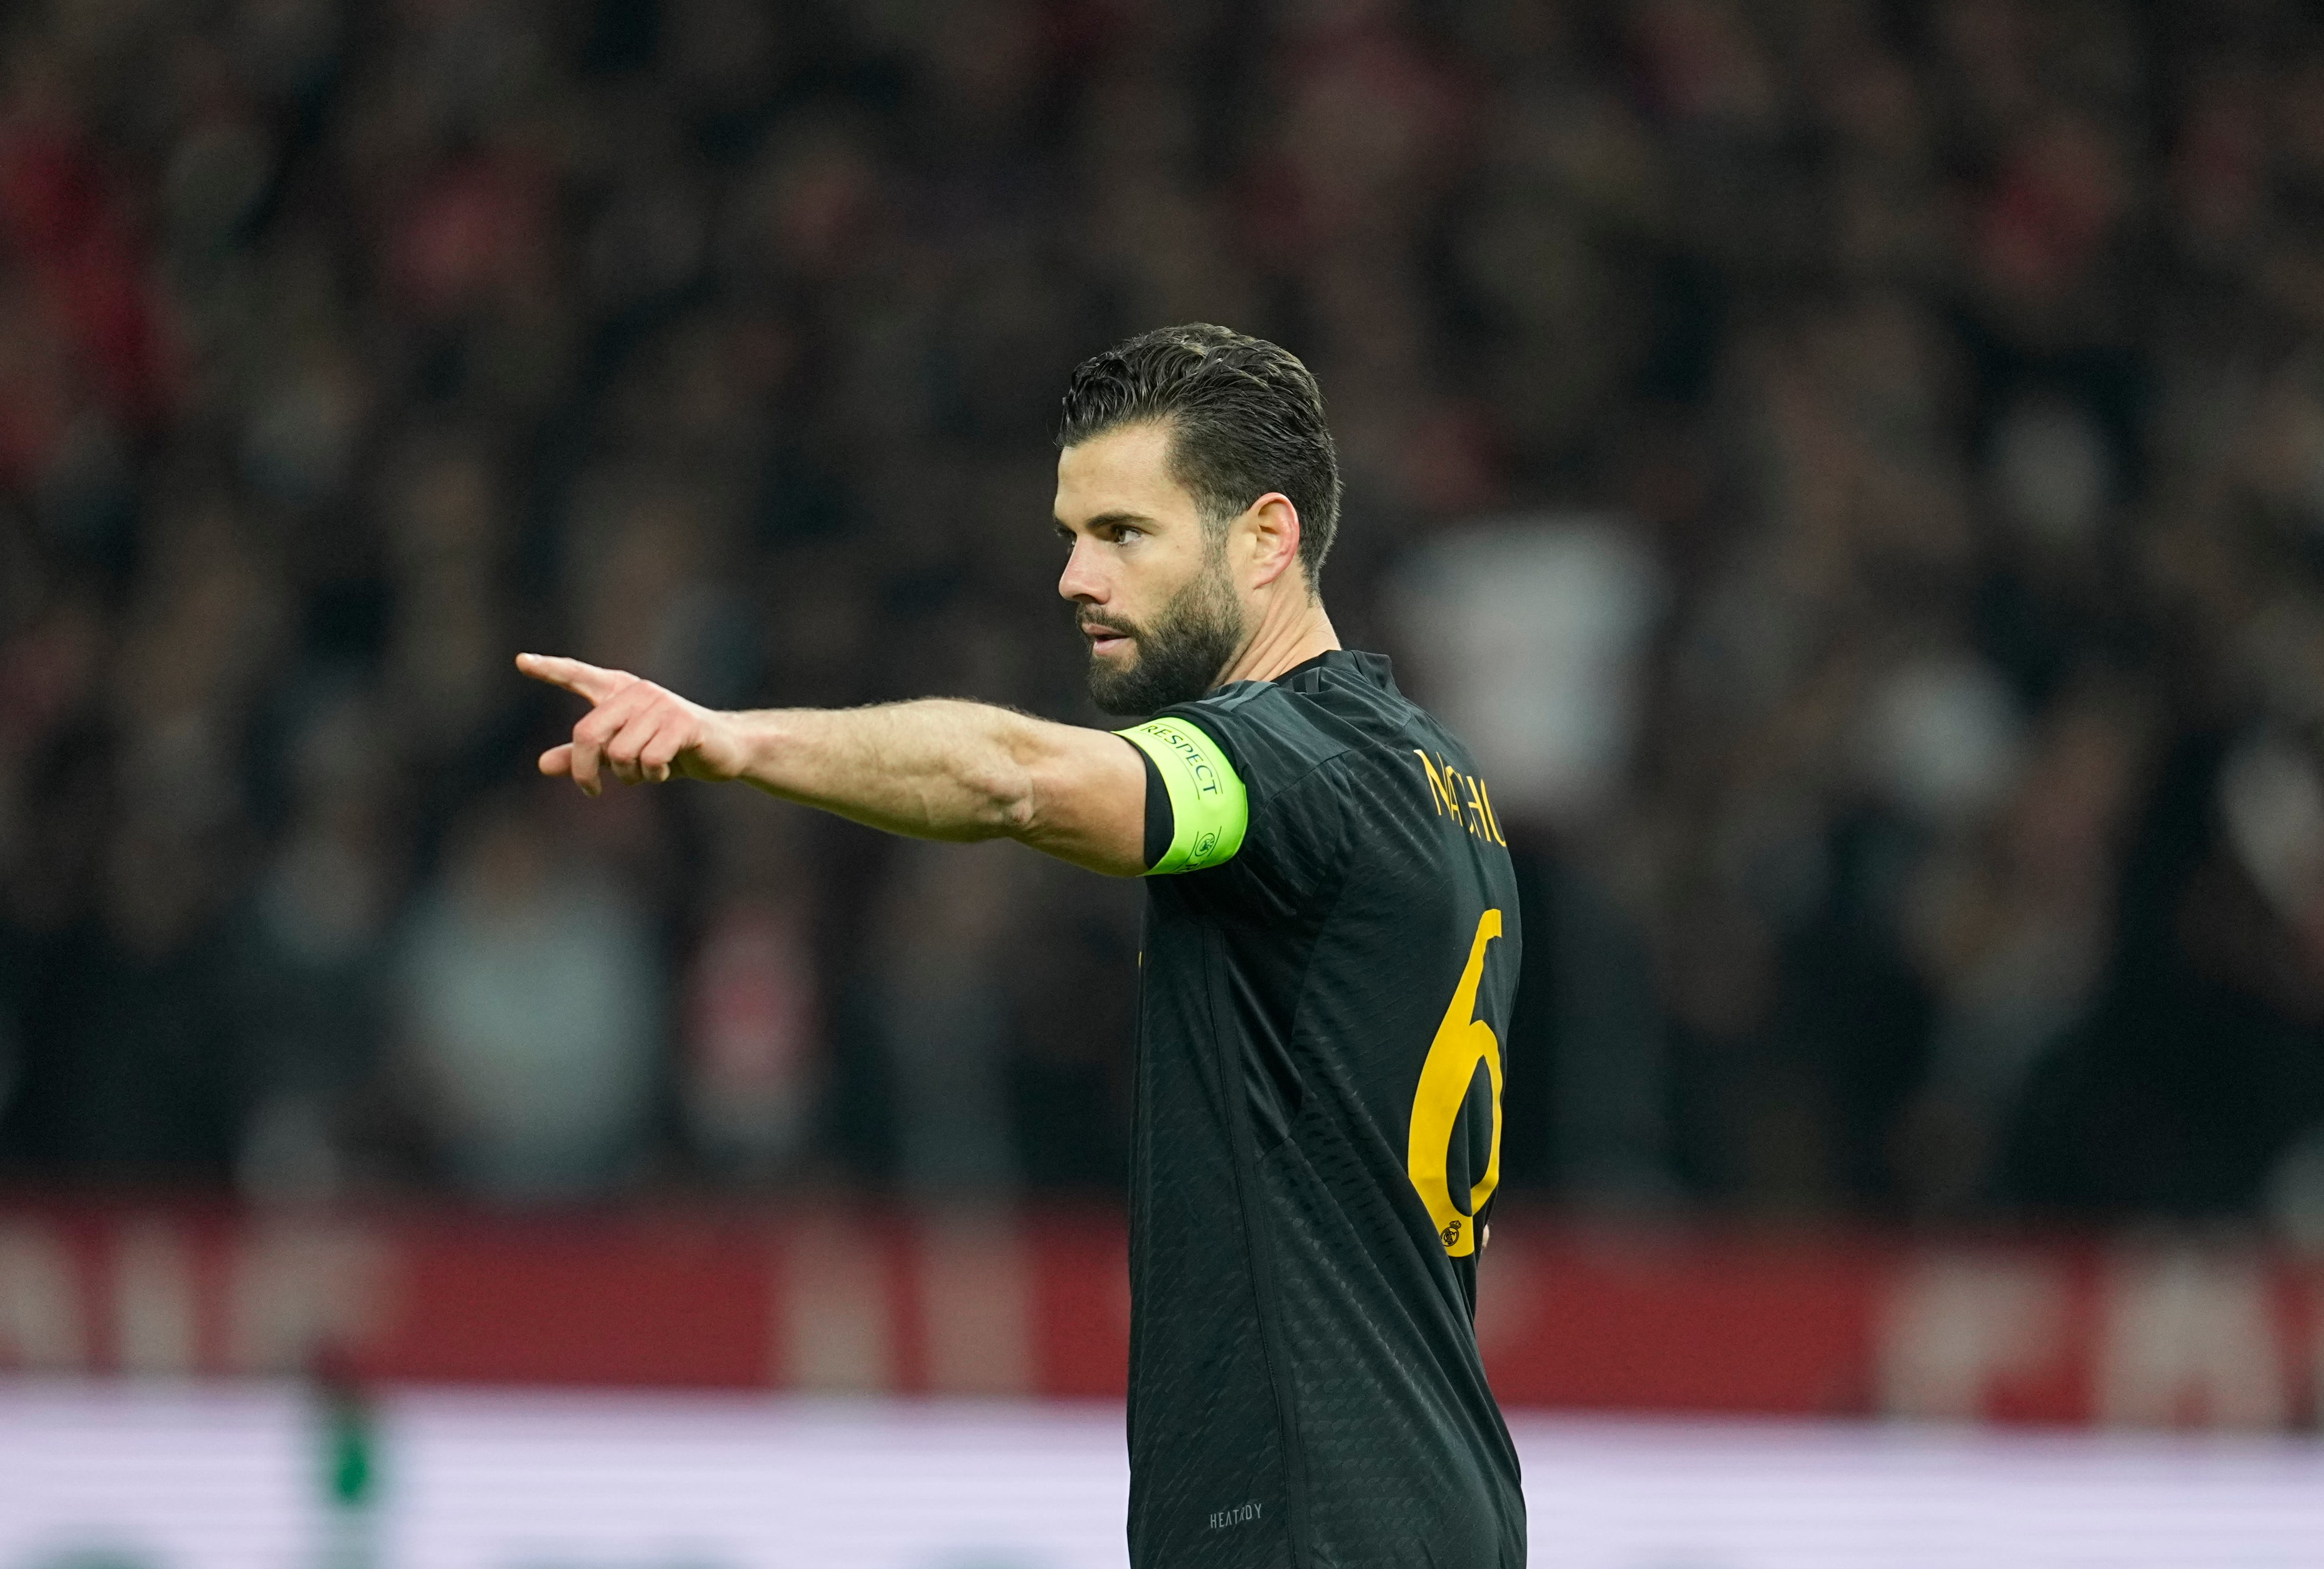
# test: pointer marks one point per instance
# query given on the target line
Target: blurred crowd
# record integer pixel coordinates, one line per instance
(1856, 470)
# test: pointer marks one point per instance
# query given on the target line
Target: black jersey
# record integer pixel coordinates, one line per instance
(1325, 983)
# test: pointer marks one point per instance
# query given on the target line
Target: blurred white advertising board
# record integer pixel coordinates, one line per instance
(96, 1476)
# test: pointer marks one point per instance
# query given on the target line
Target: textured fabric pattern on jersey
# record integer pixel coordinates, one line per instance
(1305, 1384)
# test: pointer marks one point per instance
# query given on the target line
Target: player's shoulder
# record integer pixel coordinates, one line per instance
(1261, 712)
(1332, 709)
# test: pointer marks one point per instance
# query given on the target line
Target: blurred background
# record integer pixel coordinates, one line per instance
(1855, 471)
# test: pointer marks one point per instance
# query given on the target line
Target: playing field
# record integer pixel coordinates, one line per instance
(204, 1477)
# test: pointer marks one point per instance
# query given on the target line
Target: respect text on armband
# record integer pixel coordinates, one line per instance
(1198, 761)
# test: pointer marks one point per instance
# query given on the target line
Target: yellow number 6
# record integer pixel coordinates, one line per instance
(1462, 1041)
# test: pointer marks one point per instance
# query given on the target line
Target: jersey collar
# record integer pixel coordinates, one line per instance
(1373, 670)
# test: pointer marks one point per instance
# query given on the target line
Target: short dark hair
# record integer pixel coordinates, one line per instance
(1245, 418)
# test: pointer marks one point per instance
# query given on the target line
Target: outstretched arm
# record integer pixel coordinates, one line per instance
(938, 769)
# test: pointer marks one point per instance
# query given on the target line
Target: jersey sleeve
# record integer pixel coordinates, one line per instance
(1245, 778)
(1201, 810)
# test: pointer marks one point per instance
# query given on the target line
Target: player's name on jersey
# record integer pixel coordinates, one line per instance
(1463, 796)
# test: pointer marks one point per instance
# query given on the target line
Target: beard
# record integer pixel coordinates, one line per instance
(1177, 659)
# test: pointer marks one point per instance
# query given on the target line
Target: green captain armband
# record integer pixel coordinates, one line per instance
(1209, 807)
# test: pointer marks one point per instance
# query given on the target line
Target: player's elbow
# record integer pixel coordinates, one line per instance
(1034, 806)
(1016, 813)
(1004, 804)
(1023, 824)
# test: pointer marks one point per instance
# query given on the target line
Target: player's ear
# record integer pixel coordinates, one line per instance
(1273, 529)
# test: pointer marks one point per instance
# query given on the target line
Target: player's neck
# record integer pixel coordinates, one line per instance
(1284, 641)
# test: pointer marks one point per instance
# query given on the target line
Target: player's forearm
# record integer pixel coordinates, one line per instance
(936, 769)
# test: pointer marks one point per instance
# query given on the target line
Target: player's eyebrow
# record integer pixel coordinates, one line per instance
(1111, 520)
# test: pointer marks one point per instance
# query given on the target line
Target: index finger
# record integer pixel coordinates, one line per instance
(581, 680)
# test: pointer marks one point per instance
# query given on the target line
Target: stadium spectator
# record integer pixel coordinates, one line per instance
(1954, 372)
(532, 1007)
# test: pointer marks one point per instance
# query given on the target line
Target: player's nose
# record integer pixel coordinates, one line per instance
(1082, 580)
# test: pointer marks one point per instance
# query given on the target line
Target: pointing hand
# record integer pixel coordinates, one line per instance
(637, 730)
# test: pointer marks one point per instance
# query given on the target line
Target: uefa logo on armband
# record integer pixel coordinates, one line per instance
(1202, 848)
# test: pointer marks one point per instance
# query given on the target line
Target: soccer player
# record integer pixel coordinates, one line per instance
(1330, 951)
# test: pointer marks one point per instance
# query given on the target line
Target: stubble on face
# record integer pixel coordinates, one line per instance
(1178, 657)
